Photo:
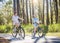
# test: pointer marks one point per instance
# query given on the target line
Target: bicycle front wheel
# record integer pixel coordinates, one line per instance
(21, 33)
(14, 32)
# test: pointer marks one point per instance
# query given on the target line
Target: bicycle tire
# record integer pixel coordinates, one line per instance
(40, 32)
(21, 33)
(14, 32)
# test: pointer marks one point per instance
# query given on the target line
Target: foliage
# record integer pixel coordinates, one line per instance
(2, 28)
(54, 28)
(2, 19)
(29, 27)
(6, 13)
(5, 28)
(45, 28)
(50, 28)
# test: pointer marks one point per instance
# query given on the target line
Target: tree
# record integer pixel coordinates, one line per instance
(43, 12)
(30, 12)
(51, 12)
(39, 10)
(59, 2)
(14, 6)
(18, 7)
(7, 11)
(24, 15)
(47, 19)
(2, 21)
(27, 10)
(56, 10)
(32, 8)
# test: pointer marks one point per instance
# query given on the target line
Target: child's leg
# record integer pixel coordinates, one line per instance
(34, 32)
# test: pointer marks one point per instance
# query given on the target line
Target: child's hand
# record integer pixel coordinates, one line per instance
(37, 22)
(22, 19)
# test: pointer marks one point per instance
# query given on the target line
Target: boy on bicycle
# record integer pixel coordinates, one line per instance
(15, 20)
(35, 22)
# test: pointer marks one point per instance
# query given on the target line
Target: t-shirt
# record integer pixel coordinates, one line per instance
(35, 20)
(15, 19)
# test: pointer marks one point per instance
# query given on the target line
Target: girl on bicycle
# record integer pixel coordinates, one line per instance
(15, 20)
(35, 22)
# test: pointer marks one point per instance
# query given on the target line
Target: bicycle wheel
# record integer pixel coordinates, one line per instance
(40, 32)
(21, 33)
(14, 32)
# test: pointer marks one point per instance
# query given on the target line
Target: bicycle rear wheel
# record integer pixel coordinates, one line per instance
(21, 33)
(40, 32)
(14, 32)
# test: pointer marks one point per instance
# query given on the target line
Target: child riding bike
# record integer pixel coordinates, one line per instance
(17, 30)
(35, 22)
(15, 20)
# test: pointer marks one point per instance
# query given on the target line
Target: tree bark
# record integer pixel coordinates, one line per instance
(14, 6)
(32, 8)
(39, 10)
(24, 15)
(27, 11)
(59, 2)
(51, 12)
(43, 12)
(47, 19)
(18, 8)
(30, 12)
(56, 10)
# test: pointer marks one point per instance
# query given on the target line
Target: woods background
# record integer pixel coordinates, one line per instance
(48, 11)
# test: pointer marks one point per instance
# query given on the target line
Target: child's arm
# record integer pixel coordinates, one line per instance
(21, 18)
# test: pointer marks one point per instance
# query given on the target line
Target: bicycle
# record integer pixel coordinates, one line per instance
(18, 31)
(39, 30)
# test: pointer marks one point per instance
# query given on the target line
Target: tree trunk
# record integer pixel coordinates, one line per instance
(51, 12)
(14, 6)
(39, 10)
(27, 11)
(30, 12)
(43, 12)
(59, 2)
(24, 15)
(32, 8)
(56, 10)
(47, 19)
(18, 8)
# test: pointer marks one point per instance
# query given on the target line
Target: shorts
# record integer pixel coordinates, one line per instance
(35, 25)
(14, 23)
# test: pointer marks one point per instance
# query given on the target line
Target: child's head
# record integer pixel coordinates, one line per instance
(34, 16)
(15, 14)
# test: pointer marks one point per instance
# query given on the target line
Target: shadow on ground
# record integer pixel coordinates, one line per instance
(45, 31)
(53, 40)
(3, 40)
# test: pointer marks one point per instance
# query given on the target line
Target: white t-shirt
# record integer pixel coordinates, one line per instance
(15, 19)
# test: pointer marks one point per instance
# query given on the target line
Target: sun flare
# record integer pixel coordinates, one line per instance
(35, 1)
